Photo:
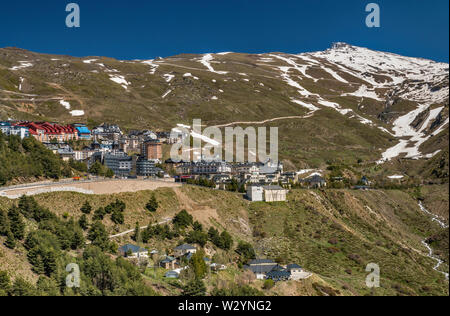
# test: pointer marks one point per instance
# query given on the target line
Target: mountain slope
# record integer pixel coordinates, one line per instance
(333, 234)
(350, 102)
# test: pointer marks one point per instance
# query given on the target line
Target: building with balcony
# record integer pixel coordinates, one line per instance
(119, 162)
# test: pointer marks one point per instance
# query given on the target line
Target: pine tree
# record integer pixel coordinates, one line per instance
(4, 223)
(10, 241)
(49, 261)
(226, 241)
(194, 288)
(99, 214)
(5, 283)
(137, 233)
(152, 205)
(83, 222)
(86, 208)
(198, 264)
(35, 258)
(117, 217)
(17, 225)
(183, 219)
(98, 235)
(77, 238)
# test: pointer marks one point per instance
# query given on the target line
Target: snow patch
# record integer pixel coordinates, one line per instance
(120, 80)
(187, 75)
(403, 129)
(168, 77)
(65, 104)
(20, 85)
(151, 64)
(77, 113)
(166, 94)
(364, 92)
(334, 74)
(23, 64)
(309, 106)
(206, 61)
(396, 177)
(89, 61)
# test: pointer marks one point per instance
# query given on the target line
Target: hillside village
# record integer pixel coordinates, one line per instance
(139, 154)
(307, 225)
(171, 252)
(175, 264)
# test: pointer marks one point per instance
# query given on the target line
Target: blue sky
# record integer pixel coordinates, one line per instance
(138, 29)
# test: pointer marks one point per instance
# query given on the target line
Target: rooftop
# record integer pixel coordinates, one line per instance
(293, 266)
(261, 261)
(185, 247)
(133, 248)
(272, 187)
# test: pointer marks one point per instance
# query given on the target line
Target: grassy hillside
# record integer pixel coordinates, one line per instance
(242, 87)
(27, 160)
(333, 234)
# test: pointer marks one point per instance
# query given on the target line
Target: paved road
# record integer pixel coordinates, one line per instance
(64, 182)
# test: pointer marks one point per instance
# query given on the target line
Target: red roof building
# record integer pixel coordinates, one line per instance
(45, 132)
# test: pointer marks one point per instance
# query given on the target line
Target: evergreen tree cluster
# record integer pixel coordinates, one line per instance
(28, 158)
(203, 182)
(48, 240)
(100, 170)
(115, 209)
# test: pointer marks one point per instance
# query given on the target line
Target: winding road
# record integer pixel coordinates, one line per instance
(165, 221)
(266, 121)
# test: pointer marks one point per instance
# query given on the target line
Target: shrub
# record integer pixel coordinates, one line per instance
(268, 284)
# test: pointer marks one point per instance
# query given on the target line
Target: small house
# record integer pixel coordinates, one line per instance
(184, 249)
(133, 251)
(255, 194)
(278, 275)
(260, 267)
(295, 270)
(83, 132)
(274, 193)
(168, 263)
(316, 181)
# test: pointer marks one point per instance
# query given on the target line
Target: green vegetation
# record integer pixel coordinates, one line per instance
(48, 246)
(100, 170)
(152, 205)
(331, 233)
(183, 219)
(246, 252)
(86, 208)
(28, 158)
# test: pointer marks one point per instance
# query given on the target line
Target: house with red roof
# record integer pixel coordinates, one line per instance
(46, 132)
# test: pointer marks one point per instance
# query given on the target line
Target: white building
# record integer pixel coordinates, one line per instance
(274, 193)
(271, 193)
(184, 250)
(133, 251)
(255, 194)
(7, 129)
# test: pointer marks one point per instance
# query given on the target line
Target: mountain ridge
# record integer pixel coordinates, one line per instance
(361, 89)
